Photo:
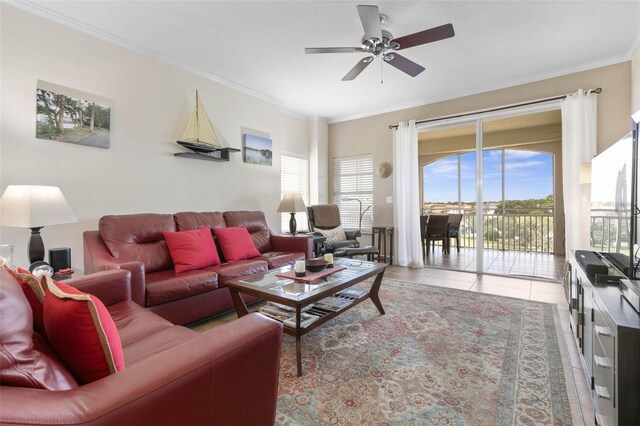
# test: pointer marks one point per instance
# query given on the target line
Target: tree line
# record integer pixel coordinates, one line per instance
(57, 107)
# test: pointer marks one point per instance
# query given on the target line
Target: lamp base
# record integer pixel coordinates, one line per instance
(35, 249)
(292, 224)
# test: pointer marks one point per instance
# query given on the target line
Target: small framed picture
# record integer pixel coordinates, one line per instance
(257, 150)
(68, 115)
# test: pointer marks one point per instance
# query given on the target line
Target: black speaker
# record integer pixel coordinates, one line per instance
(591, 263)
(60, 258)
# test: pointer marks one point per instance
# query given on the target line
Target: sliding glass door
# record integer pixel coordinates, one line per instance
(500, 174)
(448, 161)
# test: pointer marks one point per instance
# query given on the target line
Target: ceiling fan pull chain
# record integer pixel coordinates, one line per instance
(381, 77)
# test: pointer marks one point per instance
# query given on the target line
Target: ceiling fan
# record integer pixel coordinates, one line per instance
(377, 42)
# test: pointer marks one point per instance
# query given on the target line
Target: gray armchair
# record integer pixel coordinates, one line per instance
(325, 217)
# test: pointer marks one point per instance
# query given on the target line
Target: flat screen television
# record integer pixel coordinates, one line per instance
(613, 194)
(635, 200)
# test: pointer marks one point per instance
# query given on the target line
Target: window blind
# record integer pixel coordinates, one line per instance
(353, 178)
(294, 178)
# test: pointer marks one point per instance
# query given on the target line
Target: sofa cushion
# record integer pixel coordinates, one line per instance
(135, 322)
(191, 249)
(158, 342)
(236, 244)
(138, 237)
(166, 286)
(277, 259)
(34, 293)
(256, 224)
(23, 363)
(82, 332)
(143, 333)
(187, 221)
(227, 271)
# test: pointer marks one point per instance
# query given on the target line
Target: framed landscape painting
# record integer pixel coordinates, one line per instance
(257, 150)
(68, 115)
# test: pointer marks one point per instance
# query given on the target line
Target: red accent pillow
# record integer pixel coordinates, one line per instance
(191, 249)
(236, 243)
(34, 293)
(82, 332)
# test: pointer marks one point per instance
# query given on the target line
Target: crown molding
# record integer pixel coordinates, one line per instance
(635, 45)
(485, 89)
(43, 12)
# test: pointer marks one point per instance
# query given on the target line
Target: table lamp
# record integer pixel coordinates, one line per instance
(292, 203)
(34, 207)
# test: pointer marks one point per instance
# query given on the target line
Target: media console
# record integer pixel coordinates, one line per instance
(607, 331)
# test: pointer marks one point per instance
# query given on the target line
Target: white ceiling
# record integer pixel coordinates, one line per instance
(259, 46)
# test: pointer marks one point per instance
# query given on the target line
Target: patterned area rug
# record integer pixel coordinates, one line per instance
(439, 356)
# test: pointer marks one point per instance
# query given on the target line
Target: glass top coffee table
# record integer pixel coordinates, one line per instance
(299, 295)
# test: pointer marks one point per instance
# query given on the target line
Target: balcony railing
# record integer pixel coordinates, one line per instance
(513, 229)
(609, 231)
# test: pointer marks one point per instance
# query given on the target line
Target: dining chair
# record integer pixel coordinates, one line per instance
(454, 229)
(436, 229)
(423, 233)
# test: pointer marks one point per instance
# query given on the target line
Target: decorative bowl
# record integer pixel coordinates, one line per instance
(316, 265)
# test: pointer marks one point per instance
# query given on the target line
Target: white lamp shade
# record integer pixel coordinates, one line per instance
(292, 203)
(30, 206)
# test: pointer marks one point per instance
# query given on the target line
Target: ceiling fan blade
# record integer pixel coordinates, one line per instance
(360, 66)
(370, 17)
(309, 50)
(426, 36)
(405, 65)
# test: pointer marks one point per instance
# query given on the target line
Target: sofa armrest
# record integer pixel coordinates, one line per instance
(228, 375)
(98, 258)
(110, 287)
(352, 233)
(300, 244)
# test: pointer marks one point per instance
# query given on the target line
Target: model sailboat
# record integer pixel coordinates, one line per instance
(199, 135)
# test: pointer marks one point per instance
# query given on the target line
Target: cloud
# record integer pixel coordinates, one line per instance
(523, 164)
(445, 167)
(520, 155)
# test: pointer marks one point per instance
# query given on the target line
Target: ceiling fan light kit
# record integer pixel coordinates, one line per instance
(378, 42)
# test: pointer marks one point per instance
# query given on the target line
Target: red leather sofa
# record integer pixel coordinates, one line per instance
(172, 375)
(135, 243)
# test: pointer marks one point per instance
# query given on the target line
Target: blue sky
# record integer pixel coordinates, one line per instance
(527, 175)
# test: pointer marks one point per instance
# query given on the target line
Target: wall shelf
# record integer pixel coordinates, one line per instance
(224, 154)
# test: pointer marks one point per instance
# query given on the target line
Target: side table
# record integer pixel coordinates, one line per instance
(318, 240)
(75, 274)
(383, 233)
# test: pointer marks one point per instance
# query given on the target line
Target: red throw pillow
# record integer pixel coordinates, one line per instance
(82, 332)
(34, 293)
(236, 243)
(191, 249)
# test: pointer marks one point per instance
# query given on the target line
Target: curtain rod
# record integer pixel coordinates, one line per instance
(539, 101)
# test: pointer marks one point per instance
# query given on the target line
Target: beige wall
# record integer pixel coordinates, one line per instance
(153, 102)
(372, 134)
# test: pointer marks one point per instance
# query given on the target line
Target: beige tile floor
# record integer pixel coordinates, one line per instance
(513, 263)
(529, 289)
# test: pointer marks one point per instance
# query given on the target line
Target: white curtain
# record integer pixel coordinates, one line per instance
(406, 196)
(579, 132)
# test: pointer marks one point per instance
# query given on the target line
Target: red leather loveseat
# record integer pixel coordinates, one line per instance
(135, 243)
(171, 376)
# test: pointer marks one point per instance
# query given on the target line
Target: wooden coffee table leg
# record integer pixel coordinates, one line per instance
(298, 344)
(373, 293)
(238, 303)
